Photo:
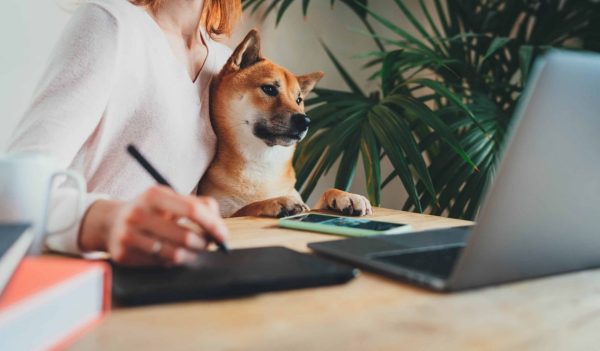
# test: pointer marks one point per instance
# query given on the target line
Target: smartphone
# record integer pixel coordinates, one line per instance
(346, 226)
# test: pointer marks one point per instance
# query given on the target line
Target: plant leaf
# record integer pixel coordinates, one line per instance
(420, 111)
(370, 155)
(396, 157)
(282, 8)
(347, 166)
(388, 71)
(305, 4)
(358, 6)
(445, 92)
(270, 8)
(496, 45)
(525, 59)
(345, 75)
(401, 32)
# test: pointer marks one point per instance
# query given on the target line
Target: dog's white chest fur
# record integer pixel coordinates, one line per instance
(259, 177)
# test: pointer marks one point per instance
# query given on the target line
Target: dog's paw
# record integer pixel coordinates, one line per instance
(282, 206)
(346, 203)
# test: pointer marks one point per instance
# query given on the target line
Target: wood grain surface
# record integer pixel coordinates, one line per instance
(369, 313)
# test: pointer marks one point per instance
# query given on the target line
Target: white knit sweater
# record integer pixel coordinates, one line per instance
(112, 80)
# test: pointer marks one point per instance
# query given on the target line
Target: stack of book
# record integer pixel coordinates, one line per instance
(49, 301)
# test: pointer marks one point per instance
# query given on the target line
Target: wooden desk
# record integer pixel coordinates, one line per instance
(370, 313)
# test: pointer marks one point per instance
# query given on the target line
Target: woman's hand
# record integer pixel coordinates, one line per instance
(148, 230)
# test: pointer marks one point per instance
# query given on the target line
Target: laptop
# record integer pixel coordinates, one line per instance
(541, 213)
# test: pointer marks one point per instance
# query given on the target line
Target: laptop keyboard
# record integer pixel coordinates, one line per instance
(438, 262)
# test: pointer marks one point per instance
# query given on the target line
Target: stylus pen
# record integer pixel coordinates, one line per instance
(135, 153)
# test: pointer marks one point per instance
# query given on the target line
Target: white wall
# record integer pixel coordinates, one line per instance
(29, 29)
(28, 32)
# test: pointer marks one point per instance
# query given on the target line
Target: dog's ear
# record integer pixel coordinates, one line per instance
(308, 81)
(247, 53)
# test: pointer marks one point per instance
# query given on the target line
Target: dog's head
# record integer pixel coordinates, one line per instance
(253, 98)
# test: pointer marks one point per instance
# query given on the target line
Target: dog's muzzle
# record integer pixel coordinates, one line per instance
(283, 134)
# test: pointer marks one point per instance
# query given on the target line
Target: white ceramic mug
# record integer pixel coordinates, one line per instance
(26, 181)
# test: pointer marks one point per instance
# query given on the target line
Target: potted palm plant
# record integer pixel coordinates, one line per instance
(445, 95)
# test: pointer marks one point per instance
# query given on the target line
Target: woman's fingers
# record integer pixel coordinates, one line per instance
(204, 211)
(153, 247)
(168, 230)
(206, 214)
(163, 199)
(135, 258)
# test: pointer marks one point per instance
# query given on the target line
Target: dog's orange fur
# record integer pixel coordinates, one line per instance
(250, 175)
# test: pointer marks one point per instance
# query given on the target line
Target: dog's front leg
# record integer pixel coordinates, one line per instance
(344, 202)
(282, 206)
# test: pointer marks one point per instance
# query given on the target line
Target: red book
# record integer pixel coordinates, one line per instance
(50, 301)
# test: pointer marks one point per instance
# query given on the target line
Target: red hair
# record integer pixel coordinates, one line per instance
(218, 16)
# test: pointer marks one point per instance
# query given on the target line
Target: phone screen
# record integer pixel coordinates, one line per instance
(346, 222)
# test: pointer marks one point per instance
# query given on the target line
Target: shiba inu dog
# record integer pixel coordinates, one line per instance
(257, 112)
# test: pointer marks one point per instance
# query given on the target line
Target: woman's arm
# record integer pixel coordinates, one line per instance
(73, 92)
(68, 106)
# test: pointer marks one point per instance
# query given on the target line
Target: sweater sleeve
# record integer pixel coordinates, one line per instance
(68, 106)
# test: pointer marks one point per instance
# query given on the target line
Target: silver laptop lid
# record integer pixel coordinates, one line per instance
(541, 216)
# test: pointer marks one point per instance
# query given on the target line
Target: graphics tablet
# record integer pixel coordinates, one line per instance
(218, 275)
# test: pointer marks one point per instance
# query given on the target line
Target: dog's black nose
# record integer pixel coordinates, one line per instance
(300, 122)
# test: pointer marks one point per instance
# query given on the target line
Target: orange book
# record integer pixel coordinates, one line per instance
(50, 301)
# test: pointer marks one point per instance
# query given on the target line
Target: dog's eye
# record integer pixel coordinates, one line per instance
(298, 100)
(269, 89)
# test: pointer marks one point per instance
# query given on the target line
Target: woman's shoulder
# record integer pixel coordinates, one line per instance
(118, 21)
(116, 11)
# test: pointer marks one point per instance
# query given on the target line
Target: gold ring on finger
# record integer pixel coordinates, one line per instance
(156, 248)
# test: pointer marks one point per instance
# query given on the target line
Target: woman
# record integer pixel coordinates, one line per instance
(132, 72)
